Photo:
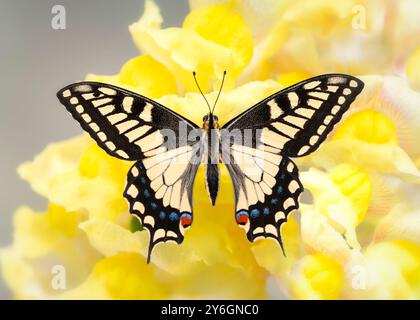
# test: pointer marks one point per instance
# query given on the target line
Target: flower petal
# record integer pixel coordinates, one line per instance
(387, 270)
(221, 281)
(394, 159)
(206, 21)
(72, 174)
(317, 277)
(270, 257)
(342, 197)
(412, 68)
(319, 235)
(44, 243)
(183, 50)
(122, 276)
(402, 222)
(109, 238)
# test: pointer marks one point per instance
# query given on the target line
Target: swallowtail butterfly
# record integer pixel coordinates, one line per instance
(290, 123)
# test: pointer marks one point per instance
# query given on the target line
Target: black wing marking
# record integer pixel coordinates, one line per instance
(132, 127)
(125, 124)
(296, 120)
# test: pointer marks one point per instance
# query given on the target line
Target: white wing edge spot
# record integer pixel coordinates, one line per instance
(353, 83)
(122, 154)
(66, 93)
(102, 136)
(149, 220)
(288, 203)
(133, 191)
(280, 216)
(110, 145)
(303, 150)
(138, 206)
(86, 117)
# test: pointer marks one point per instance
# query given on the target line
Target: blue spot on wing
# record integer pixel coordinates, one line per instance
(173, 216)
(255, 213)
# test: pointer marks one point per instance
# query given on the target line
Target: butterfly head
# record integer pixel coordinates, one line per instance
(210, 121)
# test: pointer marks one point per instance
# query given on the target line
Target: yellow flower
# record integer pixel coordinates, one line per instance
(110, 275)
(199, 46)
(144, 75)
(44, 242)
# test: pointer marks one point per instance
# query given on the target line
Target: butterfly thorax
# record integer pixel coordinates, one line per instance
(210, 121)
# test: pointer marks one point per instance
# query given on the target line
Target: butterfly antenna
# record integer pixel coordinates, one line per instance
(220, 90)
(198, 86)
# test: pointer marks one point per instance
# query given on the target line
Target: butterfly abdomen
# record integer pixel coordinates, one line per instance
(212, 181)
(212, 168)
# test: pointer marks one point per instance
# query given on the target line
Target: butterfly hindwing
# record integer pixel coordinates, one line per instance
(164, 208)
(267, 189)
(290, 123)
(132, 127)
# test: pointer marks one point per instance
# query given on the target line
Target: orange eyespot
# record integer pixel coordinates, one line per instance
(186, 220)
(242, 217)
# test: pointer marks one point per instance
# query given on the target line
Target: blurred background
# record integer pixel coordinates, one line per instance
(36, 61)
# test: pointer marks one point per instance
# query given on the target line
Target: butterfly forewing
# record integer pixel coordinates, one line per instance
(126, 125)
(297, 119)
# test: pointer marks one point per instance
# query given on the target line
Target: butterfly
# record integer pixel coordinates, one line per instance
(256, 148)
